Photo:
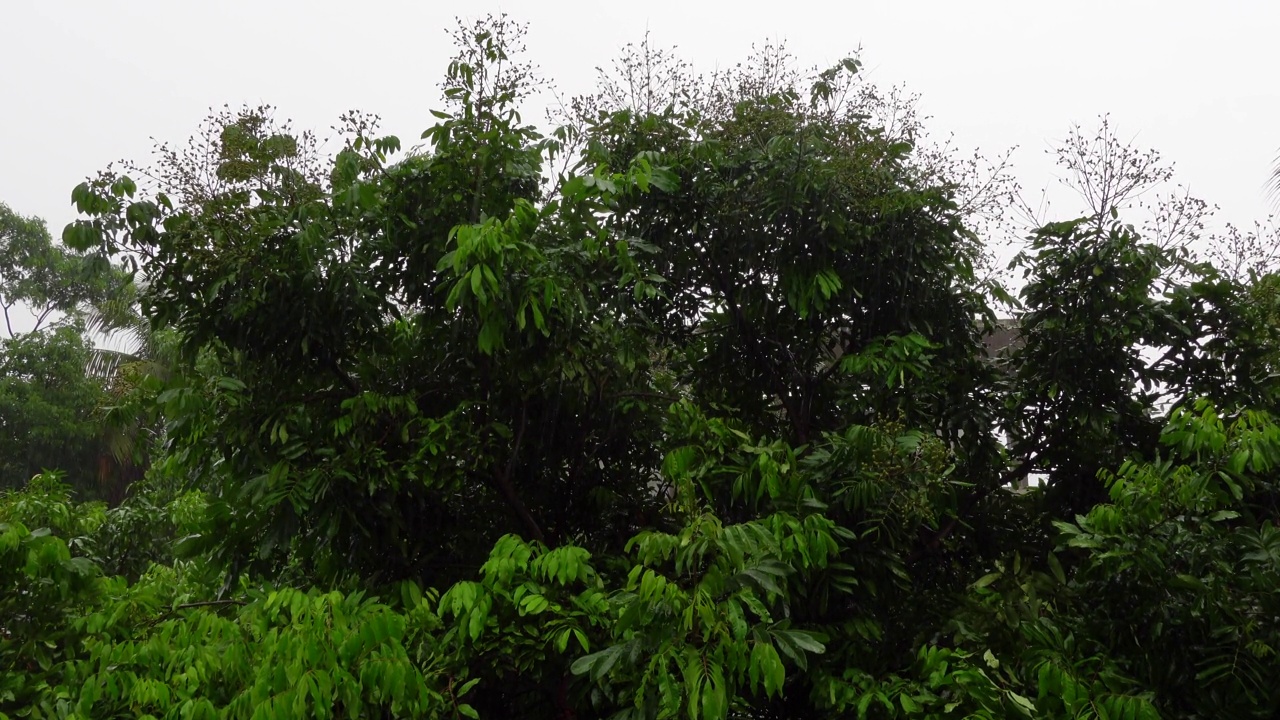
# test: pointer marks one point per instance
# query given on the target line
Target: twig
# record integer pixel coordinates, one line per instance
(206, 603)
(187, 606)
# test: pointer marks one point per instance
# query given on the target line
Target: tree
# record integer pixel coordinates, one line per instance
(49, 409)
(45, 590)
(42, 278)
(48, 389)
(701, 424)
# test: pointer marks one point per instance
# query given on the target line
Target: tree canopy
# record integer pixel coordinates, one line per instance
(687, 408)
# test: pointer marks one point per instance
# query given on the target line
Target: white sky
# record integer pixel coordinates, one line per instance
(84, 83)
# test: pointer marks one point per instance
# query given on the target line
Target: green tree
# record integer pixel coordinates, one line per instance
(43, 590)
(43, 279)
(49, 408)
(680, 411)
(49, 392)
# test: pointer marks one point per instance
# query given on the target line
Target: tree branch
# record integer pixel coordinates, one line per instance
(41, 318)
(206, 603)
(187, 606)
(648, 394)
(508, 489)
(338, 372)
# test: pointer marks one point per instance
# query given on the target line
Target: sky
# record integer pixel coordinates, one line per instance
(84, 83)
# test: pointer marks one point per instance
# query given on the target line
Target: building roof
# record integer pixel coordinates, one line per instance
(1004, 335)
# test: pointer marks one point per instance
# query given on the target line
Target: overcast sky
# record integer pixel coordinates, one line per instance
(85, 83)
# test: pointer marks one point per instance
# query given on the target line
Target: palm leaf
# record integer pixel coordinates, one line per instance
(1273, 184)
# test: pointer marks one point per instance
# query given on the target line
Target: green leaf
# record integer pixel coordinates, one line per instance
(597, 664)
(533, 604)
(1023, 704)
(987, 579)
(766, 662)
(1056, 568)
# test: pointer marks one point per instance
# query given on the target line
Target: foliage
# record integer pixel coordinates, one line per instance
(682, 410)
(45, 279)
(1196, 526)
(49, 409)
(44, 589)
(1087, 392)
(49, 396)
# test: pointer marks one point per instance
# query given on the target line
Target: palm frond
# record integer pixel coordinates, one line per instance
(105, 363)
(1273, 184)
(125, 334)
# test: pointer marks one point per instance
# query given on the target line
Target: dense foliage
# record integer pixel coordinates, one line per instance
(50, 407)
(691, 408)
